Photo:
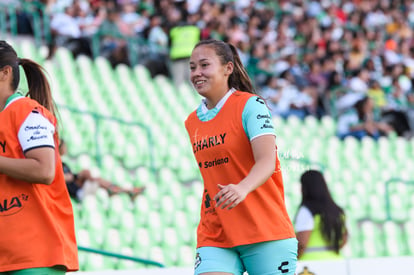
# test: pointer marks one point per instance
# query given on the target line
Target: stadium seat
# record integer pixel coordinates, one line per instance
(371, 240)
(409, 236)
(357, 207)
(187, 256)
(112, 243)
(119, 205)
(124, 264)
(377, 208)
(170, 246)
(97, 262)
(156, 253)
(143, 242)
(392, 238)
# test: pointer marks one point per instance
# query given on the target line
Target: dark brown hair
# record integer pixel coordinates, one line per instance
(39, 88)
(317, 198)
(239, 79)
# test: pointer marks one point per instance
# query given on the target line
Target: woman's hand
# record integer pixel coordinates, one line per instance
(230, 196)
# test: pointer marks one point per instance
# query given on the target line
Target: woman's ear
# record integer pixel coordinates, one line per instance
(229, 68)
(5, 73)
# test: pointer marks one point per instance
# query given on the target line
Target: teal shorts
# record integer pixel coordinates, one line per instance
(37, 271)
(266, 258)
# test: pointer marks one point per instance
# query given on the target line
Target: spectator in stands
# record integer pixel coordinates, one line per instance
(319, 223)
(114, 37)
(360, 121)
(398, 109)
(37, 234)
(244, 223)
(83, 183)
(182, 39)
(156, 34)
(66, 32)
(350, 36)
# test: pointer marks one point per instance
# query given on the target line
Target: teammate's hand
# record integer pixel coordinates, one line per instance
(229, 196)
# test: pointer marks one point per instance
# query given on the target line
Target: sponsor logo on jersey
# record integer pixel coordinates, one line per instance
(207, 142)
(3, 146)
(215, 162)
(11, 206)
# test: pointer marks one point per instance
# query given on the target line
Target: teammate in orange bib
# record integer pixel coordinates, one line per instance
(244, 224)
(36, 220)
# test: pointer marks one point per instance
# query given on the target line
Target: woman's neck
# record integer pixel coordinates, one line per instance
(3, 98)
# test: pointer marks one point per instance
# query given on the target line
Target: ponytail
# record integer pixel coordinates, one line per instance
(39, 88)
(239, 79)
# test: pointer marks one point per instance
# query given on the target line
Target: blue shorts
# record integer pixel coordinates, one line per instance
(266, 258)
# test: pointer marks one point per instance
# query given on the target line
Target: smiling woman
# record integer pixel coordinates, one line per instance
(36, 203)
(243, 211)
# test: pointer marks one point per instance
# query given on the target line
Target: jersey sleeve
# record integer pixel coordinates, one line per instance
(35, 132)
(257, 120)
(304, 220)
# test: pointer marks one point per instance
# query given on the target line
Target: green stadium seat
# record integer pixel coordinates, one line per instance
(357, 207)
(170, 244)
(112, 243)
(143, 242)
(82, 238)
(156, 253)
(354, 247)
(128, 264)
(409, 236)
(392, 238)
(119, 204)
(155, 225)
(377, 210)
(371, 240)
(97, 262)
(329, 125)
(187, 256)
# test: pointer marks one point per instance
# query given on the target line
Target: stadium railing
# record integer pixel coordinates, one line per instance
(38, 17)
(98, 118)
(121, 256)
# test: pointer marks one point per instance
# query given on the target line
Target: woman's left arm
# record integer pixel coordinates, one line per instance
(264, 152)
(38, 166)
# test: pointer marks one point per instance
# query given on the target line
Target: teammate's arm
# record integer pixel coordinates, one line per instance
(36, 139)
(37, 167)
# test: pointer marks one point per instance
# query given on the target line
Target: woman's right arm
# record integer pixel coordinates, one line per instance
(38, 166)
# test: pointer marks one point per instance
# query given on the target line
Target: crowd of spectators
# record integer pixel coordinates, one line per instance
(306, 57)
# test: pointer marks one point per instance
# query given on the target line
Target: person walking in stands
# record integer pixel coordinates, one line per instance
(37, 234)
(320, 222)
(244, 224)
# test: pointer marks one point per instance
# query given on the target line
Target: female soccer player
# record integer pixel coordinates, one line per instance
(37, 233)
(244, 224)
